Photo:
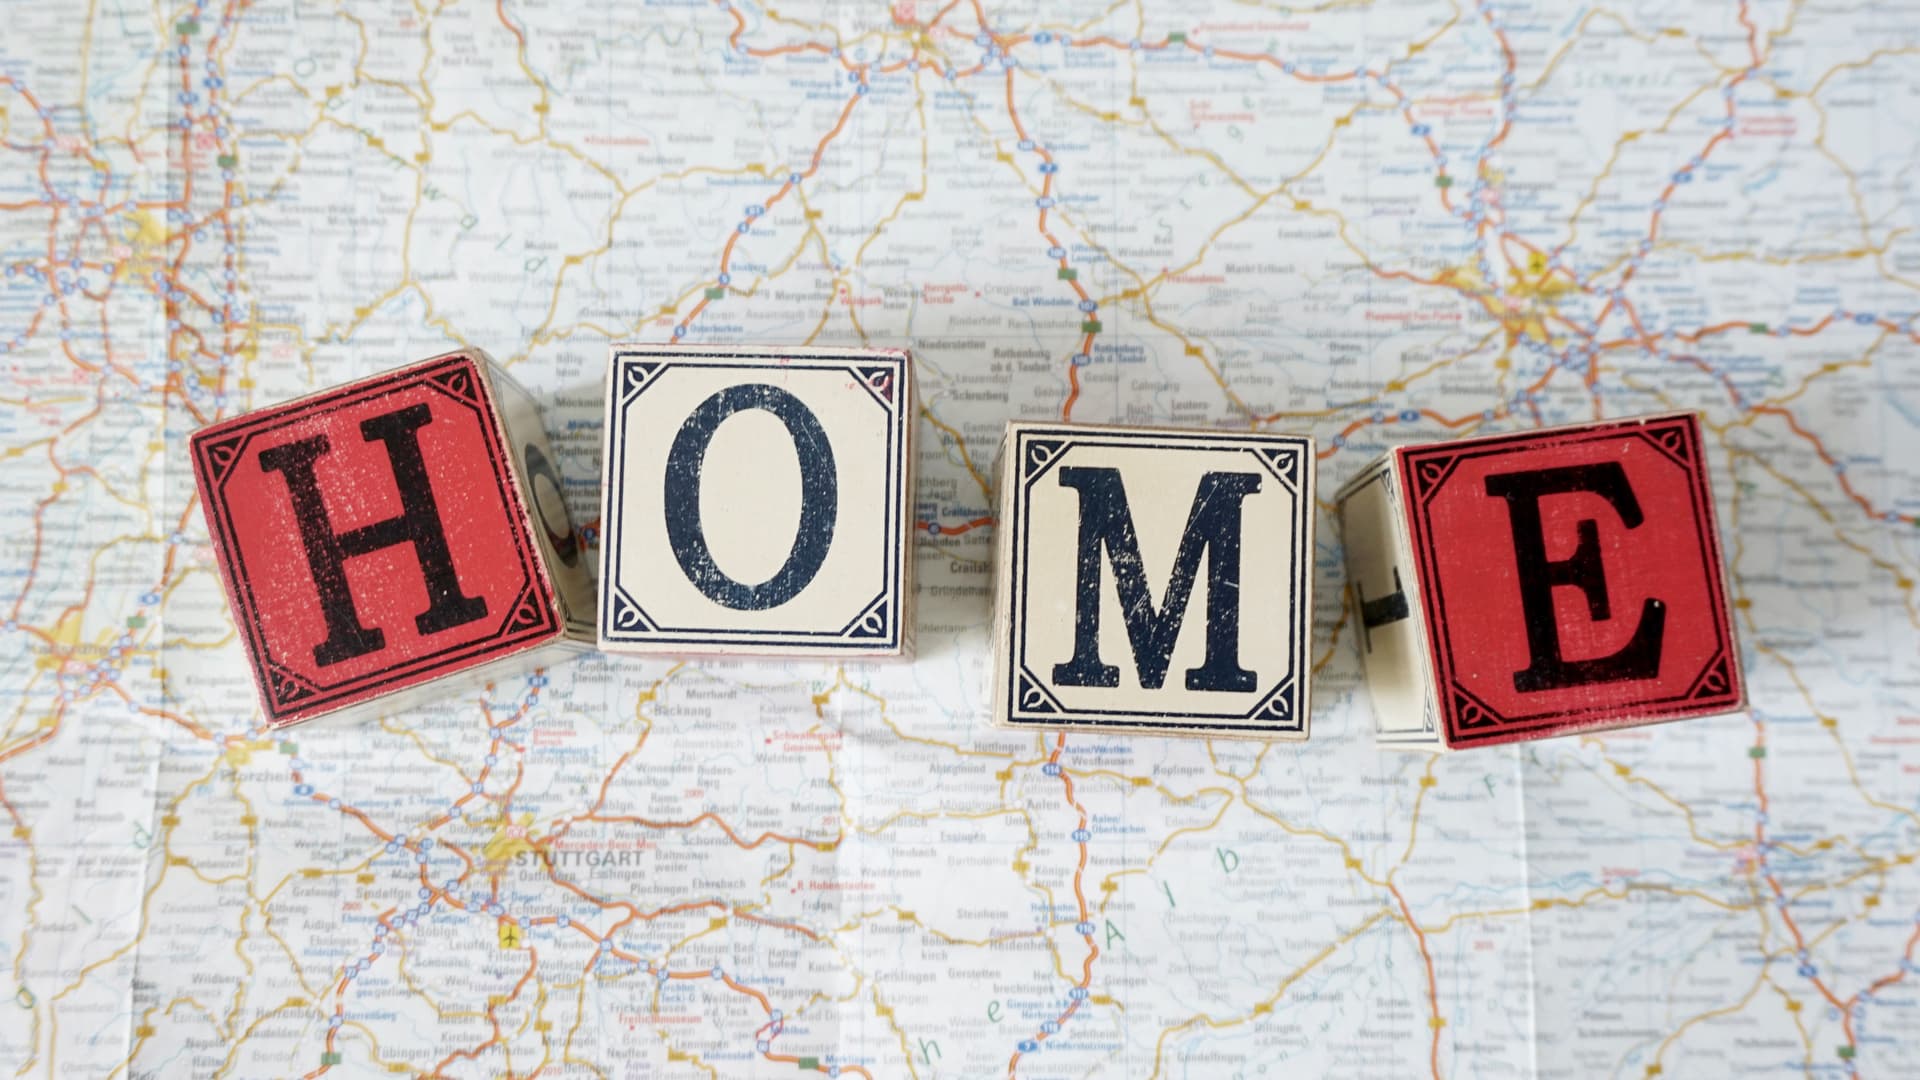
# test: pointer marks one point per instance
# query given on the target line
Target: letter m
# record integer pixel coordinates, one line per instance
(1213, 531)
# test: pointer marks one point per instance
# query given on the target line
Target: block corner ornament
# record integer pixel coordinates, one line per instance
(389, 533)
(1154, 581)
(757, 501)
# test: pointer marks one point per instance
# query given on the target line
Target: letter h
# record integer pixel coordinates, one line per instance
(418, 523)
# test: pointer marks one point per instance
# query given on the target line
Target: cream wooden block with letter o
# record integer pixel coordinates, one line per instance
(756, 501)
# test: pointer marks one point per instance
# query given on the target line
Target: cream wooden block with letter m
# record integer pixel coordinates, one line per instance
(1154, 580)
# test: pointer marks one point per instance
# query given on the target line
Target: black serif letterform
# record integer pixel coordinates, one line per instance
(1213, 529)
(819, 498)
(1585, 570)
(418, 523)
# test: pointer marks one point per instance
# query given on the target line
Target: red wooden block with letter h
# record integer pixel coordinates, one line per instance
(1523, 586)
(390, 533)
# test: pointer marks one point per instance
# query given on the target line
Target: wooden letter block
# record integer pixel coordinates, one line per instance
(390, 533)
(1524, 586)
(756, 501)
(1154, 580)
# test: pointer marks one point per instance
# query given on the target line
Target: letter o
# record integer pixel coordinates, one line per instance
(819, 498)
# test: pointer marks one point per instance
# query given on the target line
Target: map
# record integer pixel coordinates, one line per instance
(1375, 223)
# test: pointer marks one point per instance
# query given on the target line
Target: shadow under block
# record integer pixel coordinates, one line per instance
(1153, 581)
(384, 535)
(1518, 587)
(757, 502)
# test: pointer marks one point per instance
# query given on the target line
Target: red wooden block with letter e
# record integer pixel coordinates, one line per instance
(1523, 586)
(389, 533)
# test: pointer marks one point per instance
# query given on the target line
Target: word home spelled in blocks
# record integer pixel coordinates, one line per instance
(389, 533)
(757, 501)
(1524, 586)
(1154, 581)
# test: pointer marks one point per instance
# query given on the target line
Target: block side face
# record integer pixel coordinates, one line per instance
(1364, 477)
(1155, 581)
(757, 502)
(1005, 511)
(1308, 495)
(609, 436)
(538, 483)
(909, 522)
(1382, 586)
(370, 538)
(1571, 579)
